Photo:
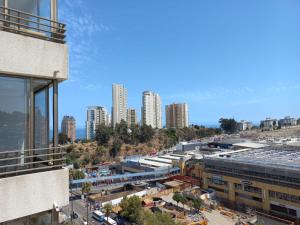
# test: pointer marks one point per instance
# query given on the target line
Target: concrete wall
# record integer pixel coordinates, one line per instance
(27, 56)
(33, 193)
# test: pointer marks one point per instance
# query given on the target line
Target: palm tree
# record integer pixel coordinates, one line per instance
(86, 188)
(107, 209)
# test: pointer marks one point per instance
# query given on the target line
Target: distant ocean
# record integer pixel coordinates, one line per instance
(80, 133)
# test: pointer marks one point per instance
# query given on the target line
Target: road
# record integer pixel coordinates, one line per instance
(79, 207)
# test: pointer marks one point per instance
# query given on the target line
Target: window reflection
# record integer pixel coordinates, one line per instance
(15, 117)
(14, 108)
(41, 8)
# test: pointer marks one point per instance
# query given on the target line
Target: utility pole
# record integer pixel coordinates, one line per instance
(87, 212)
(72, 206)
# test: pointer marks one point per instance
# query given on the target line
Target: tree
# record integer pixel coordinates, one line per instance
(86, 188)
(172, 135)
(122, 132)
(131, 208)
(103, 134)
(107, 209)
(183, 201)
(228, 125)
(76, 174)
(63, 138)
(177, 197)
(197, 203)
(146, 133)
(116, 147)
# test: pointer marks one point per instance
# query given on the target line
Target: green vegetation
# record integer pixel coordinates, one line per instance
(149, 218)
(107, 209)
(177, 197)
(197, 203)
(122, 140)
(76, 174)
(228, 125)
(86, 188)
(103, 134)
(63, 139)
(131, 208)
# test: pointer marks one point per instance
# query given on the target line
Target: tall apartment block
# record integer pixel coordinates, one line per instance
(95, 116)
(34, 59)
(151, 110)
(132, 117)
(177, 115)
(68, 127)
(119, 101)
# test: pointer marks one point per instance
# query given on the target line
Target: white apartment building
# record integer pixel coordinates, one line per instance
(287, 122)
(269, 123)
(119, 101)
(244, 125)
(34, 185)
(151, 109)
(95, 116)
(177, 115)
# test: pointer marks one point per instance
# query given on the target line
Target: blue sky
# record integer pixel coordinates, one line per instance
(225, 58)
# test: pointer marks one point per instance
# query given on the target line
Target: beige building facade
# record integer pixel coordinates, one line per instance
(177, 115)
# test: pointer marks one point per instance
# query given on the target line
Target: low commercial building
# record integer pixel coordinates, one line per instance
(269, 124)
(287, 122)
(266, 179)
(188, 146)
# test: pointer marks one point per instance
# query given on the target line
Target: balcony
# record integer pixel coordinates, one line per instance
(20, 162)
(15, 21)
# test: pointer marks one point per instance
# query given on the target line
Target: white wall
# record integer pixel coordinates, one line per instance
(29, 194)
(27, 56)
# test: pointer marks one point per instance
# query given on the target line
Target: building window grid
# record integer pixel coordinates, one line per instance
(265, 177)
(248, 188)
(284, 196)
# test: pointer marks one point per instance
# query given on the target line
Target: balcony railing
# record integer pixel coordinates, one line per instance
(15, 21)
(19, 162)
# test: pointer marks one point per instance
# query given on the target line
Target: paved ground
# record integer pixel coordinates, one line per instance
(79, 207)
(215, 218)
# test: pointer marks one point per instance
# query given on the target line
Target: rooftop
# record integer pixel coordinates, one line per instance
(275, 157)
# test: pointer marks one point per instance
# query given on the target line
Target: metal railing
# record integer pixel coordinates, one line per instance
(31, 25)
(19, 162)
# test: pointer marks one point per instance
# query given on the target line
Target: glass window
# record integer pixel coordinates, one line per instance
(15, 117)
(14, 113)
(41, 8)
(40, 119)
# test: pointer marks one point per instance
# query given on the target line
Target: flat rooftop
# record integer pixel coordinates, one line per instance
(159, 159)
(284, 157)
(153, 164)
